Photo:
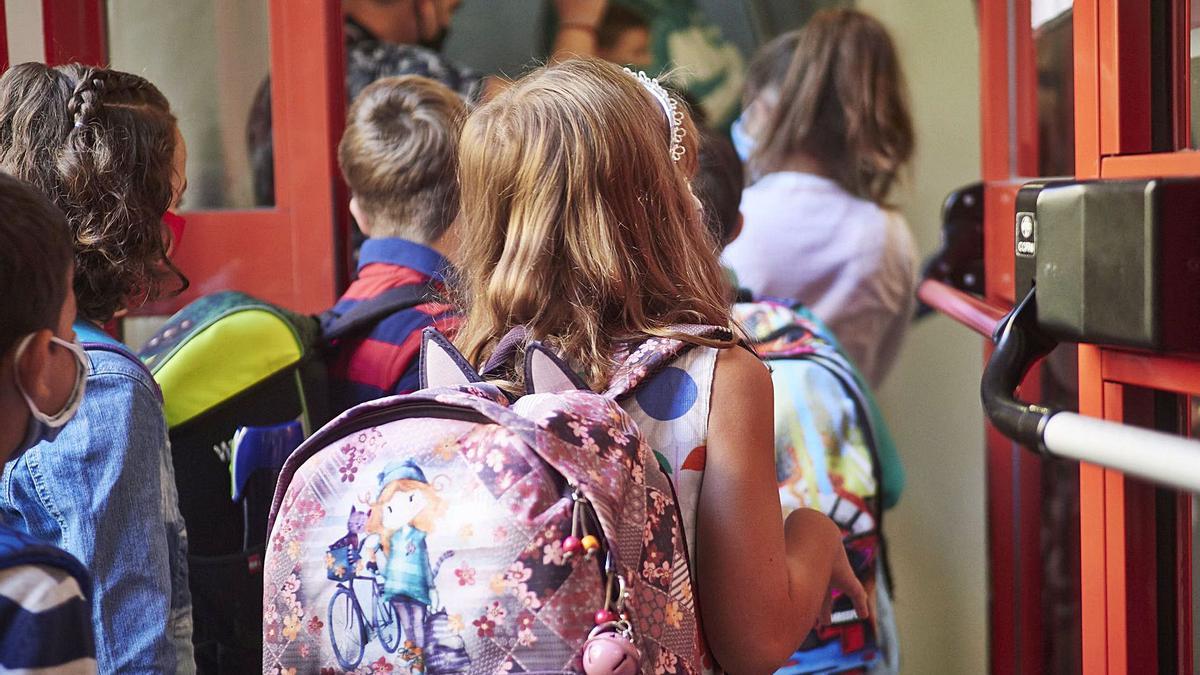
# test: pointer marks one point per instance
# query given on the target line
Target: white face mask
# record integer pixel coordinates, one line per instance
(43, 427)
(743, 142)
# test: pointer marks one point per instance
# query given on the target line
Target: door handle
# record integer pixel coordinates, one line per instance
(1020, 342)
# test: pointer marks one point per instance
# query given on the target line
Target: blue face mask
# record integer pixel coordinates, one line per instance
(43, 427)
(743, 142)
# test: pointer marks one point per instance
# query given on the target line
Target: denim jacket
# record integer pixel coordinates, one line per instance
(104, 490)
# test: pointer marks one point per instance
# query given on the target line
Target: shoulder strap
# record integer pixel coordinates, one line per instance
(366, 314)
(96, 340)
(639, 361)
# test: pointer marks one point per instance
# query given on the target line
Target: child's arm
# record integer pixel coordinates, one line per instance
(763, 585)
(578, 21)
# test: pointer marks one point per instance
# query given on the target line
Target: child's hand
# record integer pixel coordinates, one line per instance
(842, 578)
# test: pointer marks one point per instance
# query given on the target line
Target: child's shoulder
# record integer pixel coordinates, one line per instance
(113, 362)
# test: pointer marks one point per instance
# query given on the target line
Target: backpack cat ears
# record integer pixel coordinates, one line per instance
(444, 366)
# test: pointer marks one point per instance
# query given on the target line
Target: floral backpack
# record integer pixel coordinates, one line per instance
(833, 453)
(455, 531)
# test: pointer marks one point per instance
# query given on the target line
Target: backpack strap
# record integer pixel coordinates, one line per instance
(93, 339)
(639, 361)
(366, 314)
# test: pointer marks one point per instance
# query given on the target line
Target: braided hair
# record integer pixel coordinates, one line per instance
(101, 145)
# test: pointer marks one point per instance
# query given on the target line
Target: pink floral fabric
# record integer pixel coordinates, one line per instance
(496, 486)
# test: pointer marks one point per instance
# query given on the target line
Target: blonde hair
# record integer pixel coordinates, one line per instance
(424, 521)
(578, 224)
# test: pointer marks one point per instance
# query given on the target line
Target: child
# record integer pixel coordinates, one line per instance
(818, 227)
(104, 146)
(45, 616)
(812, 400)
(400, 159)
(623, 38)
(718, 186)
(580, 226)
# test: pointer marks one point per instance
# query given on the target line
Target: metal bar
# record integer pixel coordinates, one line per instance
(75, 31)
(966, 309)
(1165, 459)
(3, 38)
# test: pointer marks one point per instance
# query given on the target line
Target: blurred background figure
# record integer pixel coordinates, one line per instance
(623, 38)
(826, 134)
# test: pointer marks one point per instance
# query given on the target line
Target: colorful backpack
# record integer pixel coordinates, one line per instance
(224, 362)
(833, 453)
(454, 530)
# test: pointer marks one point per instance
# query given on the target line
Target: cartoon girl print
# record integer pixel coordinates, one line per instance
(403, 514)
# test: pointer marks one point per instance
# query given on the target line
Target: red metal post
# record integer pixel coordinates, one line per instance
(287, 254)
(75, 31)
(4, 60)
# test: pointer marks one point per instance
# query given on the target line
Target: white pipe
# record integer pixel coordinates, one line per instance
(1157, 457)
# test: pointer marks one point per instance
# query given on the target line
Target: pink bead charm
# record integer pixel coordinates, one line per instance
(572, 546)
(604, 616)
(610, 653)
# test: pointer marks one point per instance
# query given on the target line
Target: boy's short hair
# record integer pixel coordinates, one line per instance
(399, 156)
(618, 19)
(718, 185)
(35, 254)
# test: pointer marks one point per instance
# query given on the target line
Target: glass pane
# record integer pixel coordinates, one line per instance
(1052, 36)
(209, 57)
(1194, 74)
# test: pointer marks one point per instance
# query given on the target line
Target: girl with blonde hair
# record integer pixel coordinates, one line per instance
(580, 226)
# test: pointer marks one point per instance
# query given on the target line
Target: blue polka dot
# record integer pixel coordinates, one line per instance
(668, 395)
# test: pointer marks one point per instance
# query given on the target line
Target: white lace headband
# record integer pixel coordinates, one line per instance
(670, 107)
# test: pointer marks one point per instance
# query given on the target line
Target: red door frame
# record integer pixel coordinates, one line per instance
(1118, 521)
(3, 38)
(74, 30)
(1119, 551)
(1009, 152)
(290, 253)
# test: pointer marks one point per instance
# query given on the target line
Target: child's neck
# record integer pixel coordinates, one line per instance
(801, 163)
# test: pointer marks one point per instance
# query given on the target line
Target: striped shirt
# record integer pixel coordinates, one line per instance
(45, 615)
(384, 362)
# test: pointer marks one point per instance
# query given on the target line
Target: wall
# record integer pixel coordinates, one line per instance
(937, 532)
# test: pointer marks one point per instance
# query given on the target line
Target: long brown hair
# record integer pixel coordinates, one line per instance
(576, 221)
(101, 145)
(841, 103)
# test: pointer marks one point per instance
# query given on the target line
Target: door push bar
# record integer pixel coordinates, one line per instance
(1102, 262)
(1162, 458)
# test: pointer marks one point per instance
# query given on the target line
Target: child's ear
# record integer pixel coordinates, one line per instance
(359, 217)
(441, 364)
(33, 369)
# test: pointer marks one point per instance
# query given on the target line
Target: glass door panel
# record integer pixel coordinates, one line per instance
(209, 58)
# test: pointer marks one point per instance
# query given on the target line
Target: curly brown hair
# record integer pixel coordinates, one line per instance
(100, 144)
